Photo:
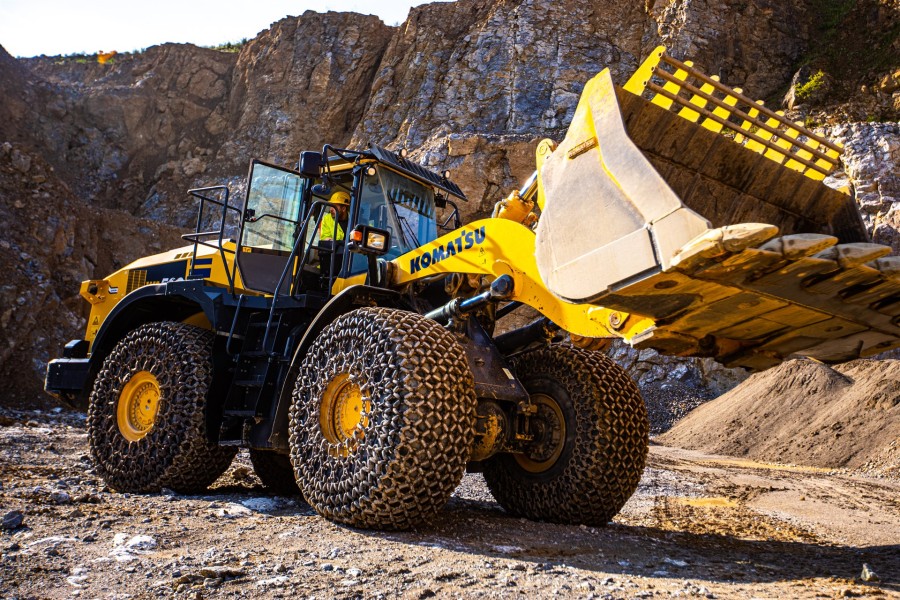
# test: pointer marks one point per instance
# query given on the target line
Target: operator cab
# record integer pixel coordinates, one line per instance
(285, 211)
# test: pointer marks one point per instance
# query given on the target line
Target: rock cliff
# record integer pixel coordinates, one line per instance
(470, 85)
(15, 96)
(52, 241)
(474, 84)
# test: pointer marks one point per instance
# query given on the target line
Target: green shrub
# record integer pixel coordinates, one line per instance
(229, 46)
(807, 90)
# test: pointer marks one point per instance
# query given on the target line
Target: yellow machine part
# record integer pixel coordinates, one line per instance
(343, 413)
(104, 294)
(676, 214)
(138, 406)
(498, 247)
(639, 205)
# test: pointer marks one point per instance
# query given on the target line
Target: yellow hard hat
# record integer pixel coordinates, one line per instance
(340, 197)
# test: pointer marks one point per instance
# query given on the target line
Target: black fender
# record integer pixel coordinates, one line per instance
(174, 301)
(351, 298)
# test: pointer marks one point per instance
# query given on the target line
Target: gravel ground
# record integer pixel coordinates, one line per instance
(699, 526)
(668, 402)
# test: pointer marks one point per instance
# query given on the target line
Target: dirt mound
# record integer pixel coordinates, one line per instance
(802, 412)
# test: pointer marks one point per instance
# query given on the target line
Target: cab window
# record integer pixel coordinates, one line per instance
(273, 205)
(413, 206)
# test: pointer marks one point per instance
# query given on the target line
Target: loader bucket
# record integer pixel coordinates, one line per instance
(639, 203)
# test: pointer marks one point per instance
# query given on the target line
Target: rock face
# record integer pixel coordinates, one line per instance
(53, 241)
(137, 132)
(122, 127)
(871, 159)
(481, 82)
(118, 130)
(849, 71)
(302, 83)
(751, 44)
(518, 67)
(495, 68)
(15, 93)
(471, 85)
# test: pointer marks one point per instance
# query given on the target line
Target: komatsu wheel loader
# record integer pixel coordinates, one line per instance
(363, 370)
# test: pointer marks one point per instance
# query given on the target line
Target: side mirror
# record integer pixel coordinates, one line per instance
(310, 164)
(321, 189)
(368, 240)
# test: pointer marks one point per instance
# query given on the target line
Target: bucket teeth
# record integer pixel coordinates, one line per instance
(759, 298)
(717, 244)
(800, 245)
(853, 255)
(736, 238)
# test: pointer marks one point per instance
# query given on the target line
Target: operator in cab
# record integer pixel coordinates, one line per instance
(334, 223)
(331, 232)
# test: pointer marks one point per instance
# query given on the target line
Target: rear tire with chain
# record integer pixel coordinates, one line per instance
(275, 472)
(382, 419)
(147, 412)
(591, 443)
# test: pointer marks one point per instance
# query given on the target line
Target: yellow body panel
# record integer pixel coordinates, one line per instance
(498, 247)
(168, 266)
(342, 283)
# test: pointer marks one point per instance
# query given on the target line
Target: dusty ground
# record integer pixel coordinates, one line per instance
(699, 526)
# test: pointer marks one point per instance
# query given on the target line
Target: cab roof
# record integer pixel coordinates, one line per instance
(416, 171)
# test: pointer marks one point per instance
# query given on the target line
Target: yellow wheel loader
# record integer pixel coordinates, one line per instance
(358, 360)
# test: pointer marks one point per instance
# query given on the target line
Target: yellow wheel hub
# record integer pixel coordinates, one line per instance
(138, 406)
(342, 412)
(550, 439)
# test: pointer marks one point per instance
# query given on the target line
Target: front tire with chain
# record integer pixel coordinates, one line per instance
(595, 460)
(382, 419)
(166, 445)
(275, 471)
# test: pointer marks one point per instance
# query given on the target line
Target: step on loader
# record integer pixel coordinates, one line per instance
(346, 335)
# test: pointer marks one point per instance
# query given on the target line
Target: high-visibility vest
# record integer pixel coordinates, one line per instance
(327, 229)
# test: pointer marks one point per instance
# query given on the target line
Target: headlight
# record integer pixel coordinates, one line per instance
(375, 241)
(366, 239)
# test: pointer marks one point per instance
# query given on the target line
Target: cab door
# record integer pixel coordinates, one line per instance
(269, 225)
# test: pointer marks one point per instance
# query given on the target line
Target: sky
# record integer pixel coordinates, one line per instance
(51, 27)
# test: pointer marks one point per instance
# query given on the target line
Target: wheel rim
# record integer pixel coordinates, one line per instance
(138, 406)
(343, 413)
(549, 425)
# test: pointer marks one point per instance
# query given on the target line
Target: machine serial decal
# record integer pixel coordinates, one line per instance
(465, 241)
(166, 272)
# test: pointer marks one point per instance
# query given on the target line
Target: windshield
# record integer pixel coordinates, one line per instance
(410, 216)
(414, 207)
(273, 199)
